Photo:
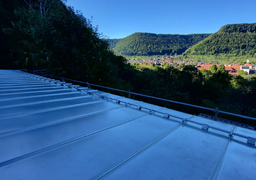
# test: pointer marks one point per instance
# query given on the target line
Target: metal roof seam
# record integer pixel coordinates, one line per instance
(107, 171)
(48, 110)
(42, 102)
(216, 171)
(10, 90)
(22, 86)
(32, 92)
(13, 160)
(47, 95)
(16, 131)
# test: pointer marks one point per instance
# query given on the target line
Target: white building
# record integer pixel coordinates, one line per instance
(250, 69)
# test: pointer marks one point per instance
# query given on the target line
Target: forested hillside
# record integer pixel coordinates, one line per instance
(235, 39)
(47, 34)
(144, 44)
(112, 43)
(42, 34)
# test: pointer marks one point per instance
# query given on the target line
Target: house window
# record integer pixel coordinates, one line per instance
(245, 67)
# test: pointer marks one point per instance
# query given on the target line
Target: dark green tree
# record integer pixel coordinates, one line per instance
(242, 97)
(213, 68)
(242, 73)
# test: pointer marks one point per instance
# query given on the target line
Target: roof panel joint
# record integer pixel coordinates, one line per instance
(205, 127)
(166, 115)
(138, 107)
(251, 140)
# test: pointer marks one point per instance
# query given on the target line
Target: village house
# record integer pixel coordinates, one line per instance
(231, 69)
(249, 68)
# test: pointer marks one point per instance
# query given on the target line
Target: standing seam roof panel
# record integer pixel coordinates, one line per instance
(49, 131)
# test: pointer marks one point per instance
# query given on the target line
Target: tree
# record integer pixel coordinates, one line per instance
(206, 74)
(192, 81)
(8, 55)
(203, 71)
(242, 97)
(237, 82)
(221, 68)
(213, 68)
(28, 29)
(254, 77)
(217, 83)
(242, 73)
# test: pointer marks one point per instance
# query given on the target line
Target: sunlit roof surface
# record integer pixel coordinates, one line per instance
(55, 130)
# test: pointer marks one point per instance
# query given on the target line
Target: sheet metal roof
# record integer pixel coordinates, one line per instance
(50, 130)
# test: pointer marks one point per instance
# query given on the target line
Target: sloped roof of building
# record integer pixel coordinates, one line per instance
(236, 67)
(228, 68)
(55, 130)
(232, 68)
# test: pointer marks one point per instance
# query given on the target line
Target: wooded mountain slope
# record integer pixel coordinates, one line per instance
(155, 44)
(236, 39)
(112, 43)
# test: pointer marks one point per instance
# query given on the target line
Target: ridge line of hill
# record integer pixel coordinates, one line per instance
(154, 44)
(234, 39)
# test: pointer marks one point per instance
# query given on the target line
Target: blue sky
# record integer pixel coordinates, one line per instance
(121, 18)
